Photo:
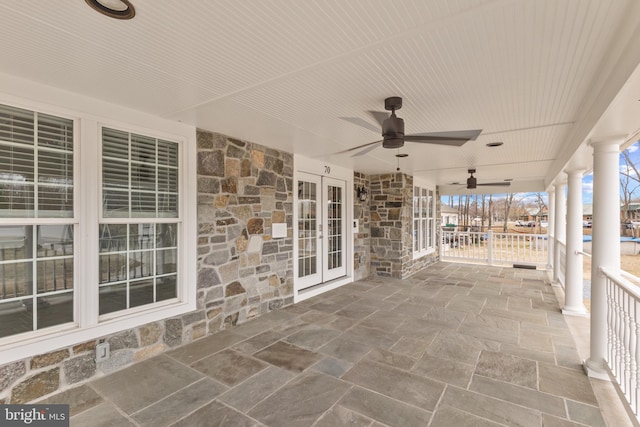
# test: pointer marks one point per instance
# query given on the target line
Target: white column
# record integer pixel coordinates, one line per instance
(573, 281)
(550, 227)
(560, 229)
(605, 246)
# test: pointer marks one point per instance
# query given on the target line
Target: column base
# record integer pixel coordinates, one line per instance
(556, 284)
(596, 370)
(579, 311)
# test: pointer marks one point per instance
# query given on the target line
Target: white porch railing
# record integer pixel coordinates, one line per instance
(494, 248)
(623, 334)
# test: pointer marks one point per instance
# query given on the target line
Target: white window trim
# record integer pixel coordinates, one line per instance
(429, 249)
(88, 115)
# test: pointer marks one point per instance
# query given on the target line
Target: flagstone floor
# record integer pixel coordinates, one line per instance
(454, 345)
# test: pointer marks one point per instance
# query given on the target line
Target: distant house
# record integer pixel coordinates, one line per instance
(448, 216)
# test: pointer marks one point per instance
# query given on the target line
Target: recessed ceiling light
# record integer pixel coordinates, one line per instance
(119, 9)
(402, 155)
(495, 144)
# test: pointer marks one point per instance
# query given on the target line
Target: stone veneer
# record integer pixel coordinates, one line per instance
(361, 239)
(243, 188)
(391, 227)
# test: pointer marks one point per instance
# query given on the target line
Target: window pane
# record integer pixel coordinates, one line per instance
(143, 205)
(167, 153)
(16, 262)
(141, 264)
(16, 164)
(55, 202)
(166, 288)
(113, 237)
(16, 317)
(167, 180)
(166, 261)
(112, 298)
(141, 236)
(113, 268)
(55, 132)
(143, 149)
(55, 310)
(55, 241)
(16, 125)
(115, 144)
(143, 176)
(115, 204)
(141, 292)
(167, 205)
(115, 174)
(166, 235)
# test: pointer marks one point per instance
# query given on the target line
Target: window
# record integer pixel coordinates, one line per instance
(423, 221)
(139, 229)
(132, 259)
(37, 211)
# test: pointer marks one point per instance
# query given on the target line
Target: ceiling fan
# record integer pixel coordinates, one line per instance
(393, 131)
(472, 182)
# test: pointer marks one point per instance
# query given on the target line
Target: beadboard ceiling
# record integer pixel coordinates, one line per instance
(541, 76)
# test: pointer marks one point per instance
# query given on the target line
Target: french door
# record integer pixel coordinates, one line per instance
(322, 229)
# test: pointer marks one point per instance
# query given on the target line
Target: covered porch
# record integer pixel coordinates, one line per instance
(455, 344)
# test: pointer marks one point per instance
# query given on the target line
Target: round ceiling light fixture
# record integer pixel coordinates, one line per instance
(118, 9)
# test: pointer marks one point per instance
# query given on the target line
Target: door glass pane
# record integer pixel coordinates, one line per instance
(307, 234)
(335, 208)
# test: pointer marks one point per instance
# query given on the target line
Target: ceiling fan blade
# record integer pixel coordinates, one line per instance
(357, 147)
(371, 146)
(379, 116)
(362, 123)
(495, 184)
(452, 138)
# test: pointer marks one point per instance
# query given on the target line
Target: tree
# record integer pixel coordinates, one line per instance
(629, 183)
(509, 201)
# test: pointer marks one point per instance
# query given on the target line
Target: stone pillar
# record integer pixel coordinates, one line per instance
(550, 227)
(605, 246)
(573, 285)
(560, 229)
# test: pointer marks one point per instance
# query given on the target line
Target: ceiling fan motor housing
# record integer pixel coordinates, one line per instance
(472, 182)
(393, 132)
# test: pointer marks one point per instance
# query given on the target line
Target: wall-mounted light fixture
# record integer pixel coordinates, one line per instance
(362, 193)
(118, 9)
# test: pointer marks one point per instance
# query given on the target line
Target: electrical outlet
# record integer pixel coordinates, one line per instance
(102, 352)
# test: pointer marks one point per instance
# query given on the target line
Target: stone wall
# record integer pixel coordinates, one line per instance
(392, 227)
(243, 188)
(362, 240)
(391, 216)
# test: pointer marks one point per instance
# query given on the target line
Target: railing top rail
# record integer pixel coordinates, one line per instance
(620, 278)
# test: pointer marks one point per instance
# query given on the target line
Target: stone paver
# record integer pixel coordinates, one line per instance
(453, 345)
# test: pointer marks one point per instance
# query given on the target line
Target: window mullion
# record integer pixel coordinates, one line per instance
(89, 212)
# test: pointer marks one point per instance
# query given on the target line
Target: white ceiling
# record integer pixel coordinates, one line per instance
(542, 76)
